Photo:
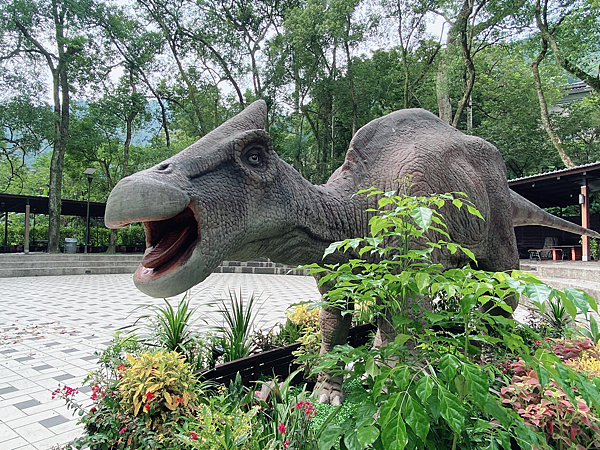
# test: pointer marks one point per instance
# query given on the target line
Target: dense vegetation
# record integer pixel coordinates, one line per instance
(119, 86)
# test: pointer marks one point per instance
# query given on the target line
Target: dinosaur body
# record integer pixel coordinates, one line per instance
(230, 197)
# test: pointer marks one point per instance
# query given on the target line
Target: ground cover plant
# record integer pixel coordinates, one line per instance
(455, 376)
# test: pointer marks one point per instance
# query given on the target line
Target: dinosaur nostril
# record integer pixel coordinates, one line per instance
(163, 166)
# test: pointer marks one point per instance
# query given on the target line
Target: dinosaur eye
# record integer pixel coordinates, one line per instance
(254, 159)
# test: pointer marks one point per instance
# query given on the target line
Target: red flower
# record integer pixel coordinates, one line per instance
(146, 407)
(281, 428)
(193, 435)
(285, 444)
(122, 430)
(149, 395)
(121, 367)
(537, 342)
(93, 410)
(179, 400)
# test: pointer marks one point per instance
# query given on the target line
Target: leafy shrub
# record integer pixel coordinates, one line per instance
(310, 340)
(433, 393)
(160, 386)
(546, 407)
(303, 315)
(238, 321)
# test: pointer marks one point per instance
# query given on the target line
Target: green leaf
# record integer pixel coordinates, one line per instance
(422, 217)
(448, 365)
(565, 302)
(578, 298)
(394, 436)
(538, 293)
(351, 441)
(424, 388)
(451, 409)
(416, 417)
(422, 280)
(372, 368)
(367, 435)
(477, 384)
(330, 437)
(332, 248)
(364, 414)
(543, 375)
(458, 203)
(474, 211)
(467, 303)
(402, 378)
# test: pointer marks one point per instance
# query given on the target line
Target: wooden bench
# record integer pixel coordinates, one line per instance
(536, 253)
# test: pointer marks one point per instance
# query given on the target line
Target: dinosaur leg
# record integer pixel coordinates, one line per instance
(334, 331)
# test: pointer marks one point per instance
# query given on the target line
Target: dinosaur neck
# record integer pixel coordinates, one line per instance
(320, 215)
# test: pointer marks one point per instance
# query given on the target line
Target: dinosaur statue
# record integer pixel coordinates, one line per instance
(230, 197)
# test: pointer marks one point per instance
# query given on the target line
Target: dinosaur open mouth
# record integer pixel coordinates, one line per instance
(169, 242)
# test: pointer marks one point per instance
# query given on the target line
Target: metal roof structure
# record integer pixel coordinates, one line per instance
(39, 205)
(560, 187)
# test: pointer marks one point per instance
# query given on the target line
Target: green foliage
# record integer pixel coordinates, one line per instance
(437, 396)
(131, 235)
(238, 321)
(159, 386)
(172, 329)
(557, 407)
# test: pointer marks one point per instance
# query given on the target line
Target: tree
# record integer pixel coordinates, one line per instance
(26, 133)
(26, 25)
(575, 26)
(474, 26)
(552, 134)
(410, 18)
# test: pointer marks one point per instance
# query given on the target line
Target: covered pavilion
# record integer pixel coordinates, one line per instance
(31, 204)
(562, 188)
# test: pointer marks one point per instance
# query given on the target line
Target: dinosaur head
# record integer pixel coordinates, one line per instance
(212, 201)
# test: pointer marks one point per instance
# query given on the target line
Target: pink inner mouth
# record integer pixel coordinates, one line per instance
(169, 243)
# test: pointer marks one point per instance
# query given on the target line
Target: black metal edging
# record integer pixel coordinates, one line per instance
(276, 362)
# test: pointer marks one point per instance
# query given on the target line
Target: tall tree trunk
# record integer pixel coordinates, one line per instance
(351, 80)
(61, 111)
(441, 83)
(462, 25)
(544, 108)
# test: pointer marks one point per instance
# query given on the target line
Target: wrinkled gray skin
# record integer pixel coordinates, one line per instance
(230, 197)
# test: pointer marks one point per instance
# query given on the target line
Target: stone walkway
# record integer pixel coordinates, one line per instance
(50, 328)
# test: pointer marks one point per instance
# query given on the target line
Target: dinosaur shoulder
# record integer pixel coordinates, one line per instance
(386, 139)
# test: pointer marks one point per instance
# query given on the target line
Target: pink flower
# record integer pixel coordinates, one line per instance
(281, 428)
(149, 395)
(285, 444)
(537, 342)
(193, 435)
(308, 408)
(122, 430)
(146, 407)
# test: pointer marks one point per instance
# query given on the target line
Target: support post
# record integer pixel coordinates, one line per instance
(87, 229)
(585, 222)
(5, 228)
(27, 211)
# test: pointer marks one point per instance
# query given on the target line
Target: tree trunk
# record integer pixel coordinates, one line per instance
(462, 25)
(544, 108)
(441, 84)
(112, 241)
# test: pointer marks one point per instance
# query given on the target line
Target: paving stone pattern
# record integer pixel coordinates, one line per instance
(51, 326)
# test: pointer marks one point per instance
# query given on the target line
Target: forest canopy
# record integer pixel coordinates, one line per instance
(121, 85)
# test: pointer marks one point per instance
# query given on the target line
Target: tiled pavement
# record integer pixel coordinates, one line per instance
(51, 326)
